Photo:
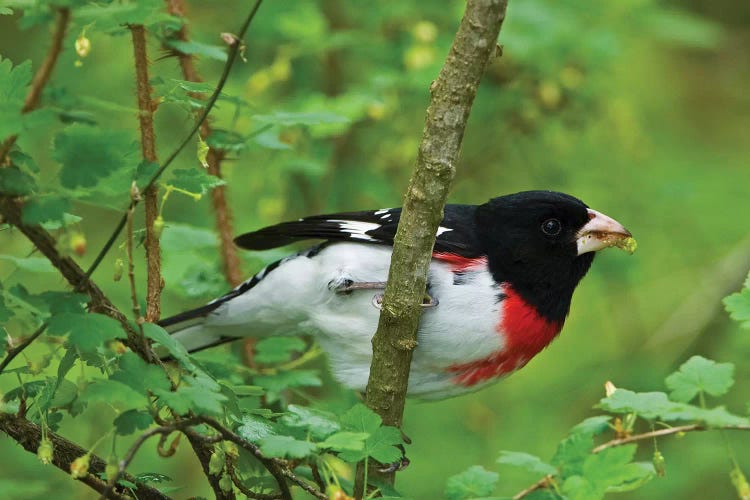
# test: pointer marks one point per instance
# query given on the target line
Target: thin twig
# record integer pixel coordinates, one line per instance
(223, 216)
(150, 194)
(29, 435)
(547, 480)
(43, 74)
(244, 489)
(276, 467)
(130, 455)
(211, 101)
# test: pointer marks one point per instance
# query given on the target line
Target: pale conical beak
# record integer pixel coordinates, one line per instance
(601, 232)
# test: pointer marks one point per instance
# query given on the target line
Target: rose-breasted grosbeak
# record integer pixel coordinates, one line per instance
(499, 288)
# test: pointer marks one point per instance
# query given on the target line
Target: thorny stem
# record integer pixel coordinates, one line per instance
(222, 213)
(210, 102)
(146, 107)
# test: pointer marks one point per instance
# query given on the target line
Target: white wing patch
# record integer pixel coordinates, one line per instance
(356, 229)
(442, 230)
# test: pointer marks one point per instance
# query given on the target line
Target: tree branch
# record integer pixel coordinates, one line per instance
(42, 75)
(150, 195)
(222, 214)
(29, 435)
(452, 96)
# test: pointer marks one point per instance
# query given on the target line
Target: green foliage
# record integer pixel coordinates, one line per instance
(325, 116)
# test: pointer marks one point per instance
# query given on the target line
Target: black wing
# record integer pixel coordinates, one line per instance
(455, 235)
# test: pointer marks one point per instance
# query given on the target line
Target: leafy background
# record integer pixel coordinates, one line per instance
(638, 107)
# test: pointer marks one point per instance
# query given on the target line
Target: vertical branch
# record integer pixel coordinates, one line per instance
(222, 214)
(150, 196)
(452, 96)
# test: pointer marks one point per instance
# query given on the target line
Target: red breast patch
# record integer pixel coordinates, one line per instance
(525, 334)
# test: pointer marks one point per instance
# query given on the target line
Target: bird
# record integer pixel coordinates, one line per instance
(499, 288)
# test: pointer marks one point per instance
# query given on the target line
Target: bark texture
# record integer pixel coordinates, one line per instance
(452, 95)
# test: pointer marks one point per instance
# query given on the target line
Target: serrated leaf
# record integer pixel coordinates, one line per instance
(113, 393)
(381, 445)
(277, 349)
(612, 468)
(592, 425)
(474, 482)
(572, 452)
(254, 428)
(195, 180)
(361, 419)
(32, 264)
(345, 440)
(14, 182)
(317, 422)
(131, 421)
(85, 331)
(139, 375)
(116, 16)
(699, 374)
(192, 47)
(285, 447)
(526, 461)
(738, 306)
(714, 417)
(13, 84)
(290, 119)
(88, 154)
(648, 405)
(283, 380)
(44, 209)
(227, 140)
(65, 392)
(176, 349)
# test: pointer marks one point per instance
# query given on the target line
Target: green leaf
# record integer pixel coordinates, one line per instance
(227, 140)
(476, 481)
(254, 428)
(44, 209)
(290, 119)
(714, 417)
(317, 422)
(361, 419)
(592, 425)
(13, 85)
(529, 462)
(32, 264)
(283, 380)
(611, 467)
(277, 349)
(572, 452)
(699, 374)
(139, 375)
(15, 182)
(144, 172)
(345, 440)
(131, 421)
(183, 237)
(381, 445)
(113, 393)
(648, 405)
(175, 349)
(195, 180)
(286, 447)
(199, 49)
(738, 305)
(88, 154)
(85, 331)
(116, 16)
(152, 478)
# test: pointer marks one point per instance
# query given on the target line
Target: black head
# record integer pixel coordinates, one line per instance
(530, 241)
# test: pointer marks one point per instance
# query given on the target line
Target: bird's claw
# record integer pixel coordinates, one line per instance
(427, 301)
(396, 466)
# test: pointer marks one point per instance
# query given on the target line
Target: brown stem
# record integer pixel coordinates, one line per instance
(452, 96)
(150, 196)
(223, 215)
(29, 435)
(244, 489)
(42, 75)
(10, 209)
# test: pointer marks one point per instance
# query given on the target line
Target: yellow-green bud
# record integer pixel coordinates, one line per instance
(216, 463)
(80, 466)
(225, 483)
(45, 451)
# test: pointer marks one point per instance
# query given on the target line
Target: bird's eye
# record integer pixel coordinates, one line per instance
(551, 227)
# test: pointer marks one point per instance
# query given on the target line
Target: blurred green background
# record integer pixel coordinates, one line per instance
(640, 108)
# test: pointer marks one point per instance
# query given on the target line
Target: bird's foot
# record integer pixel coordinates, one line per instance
(400, 464)
(347, 286)
(427, 301)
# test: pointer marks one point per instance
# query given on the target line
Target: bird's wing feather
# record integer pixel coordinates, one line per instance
(456, 233)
